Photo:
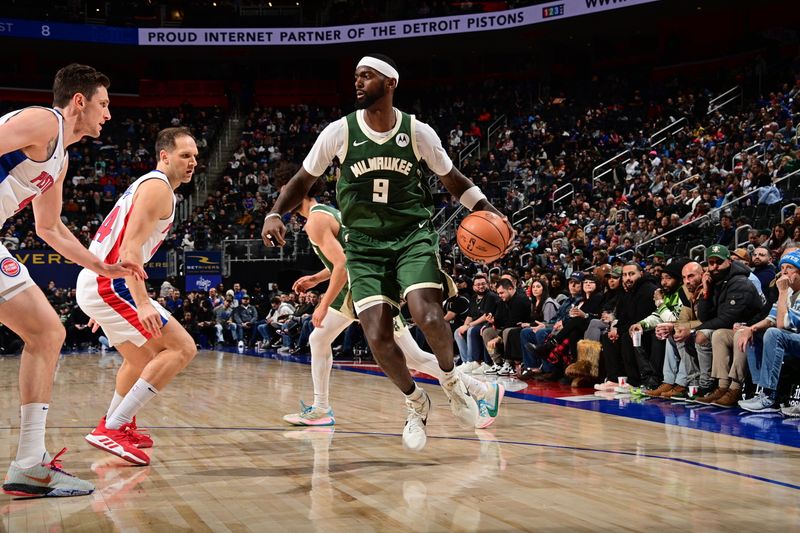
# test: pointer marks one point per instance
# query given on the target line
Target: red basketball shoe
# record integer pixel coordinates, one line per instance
(118, 442)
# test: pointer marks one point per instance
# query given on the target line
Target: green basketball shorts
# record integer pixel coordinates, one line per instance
(386, 270)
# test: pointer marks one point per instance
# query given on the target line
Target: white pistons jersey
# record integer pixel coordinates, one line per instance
(109, 301)
(107, 240)
(22, 179)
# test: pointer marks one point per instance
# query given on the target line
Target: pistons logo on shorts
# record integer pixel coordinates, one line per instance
(10, 267)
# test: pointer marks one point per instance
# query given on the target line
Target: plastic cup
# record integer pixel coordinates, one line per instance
(636, 337)
(622, 381)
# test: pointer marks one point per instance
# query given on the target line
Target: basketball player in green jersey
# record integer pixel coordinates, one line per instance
(390, 244)
(334, 314)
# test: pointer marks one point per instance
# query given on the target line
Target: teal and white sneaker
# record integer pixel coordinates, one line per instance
(463, 406)
(311, 416)
(489, 406)
(45, 479)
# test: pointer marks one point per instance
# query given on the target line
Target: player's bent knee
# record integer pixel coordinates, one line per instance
(49, 339)
(187, 353)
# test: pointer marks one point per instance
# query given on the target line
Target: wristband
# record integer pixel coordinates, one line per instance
(472, 196)
(273, 214)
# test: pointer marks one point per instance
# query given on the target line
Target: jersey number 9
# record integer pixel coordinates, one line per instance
(380, 191)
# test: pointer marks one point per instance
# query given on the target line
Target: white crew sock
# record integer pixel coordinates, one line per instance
(114, 404)
(416, 395)
(141, 393)
(33, 419)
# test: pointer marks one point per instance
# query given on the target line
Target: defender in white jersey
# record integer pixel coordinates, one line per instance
(154, 346)
(33, 163)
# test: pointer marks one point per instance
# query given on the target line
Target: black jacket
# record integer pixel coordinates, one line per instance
(512, 312)
(732, 299)
(635, 305)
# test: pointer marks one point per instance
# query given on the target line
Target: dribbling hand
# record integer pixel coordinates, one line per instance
(512, 235)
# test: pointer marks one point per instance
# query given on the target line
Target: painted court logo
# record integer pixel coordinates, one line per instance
(10, 267)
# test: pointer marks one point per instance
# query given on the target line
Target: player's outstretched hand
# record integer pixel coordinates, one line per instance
(273, 231)
(93, 324)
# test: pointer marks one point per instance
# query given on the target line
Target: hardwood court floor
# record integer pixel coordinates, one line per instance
(224, 461)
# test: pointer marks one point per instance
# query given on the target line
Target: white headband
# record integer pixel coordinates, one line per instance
(381, 66)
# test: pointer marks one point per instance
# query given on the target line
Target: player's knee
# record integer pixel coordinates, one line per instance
(187, 353)
(429, 319)
(379, 338)
(49, 340)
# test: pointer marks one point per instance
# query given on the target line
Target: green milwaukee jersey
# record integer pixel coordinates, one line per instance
(339, 303)
(381, 191)
(331, 211)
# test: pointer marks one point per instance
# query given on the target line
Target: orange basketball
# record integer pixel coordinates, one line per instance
(483, 236)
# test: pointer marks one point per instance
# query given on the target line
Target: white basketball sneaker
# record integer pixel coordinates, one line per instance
(414, 437)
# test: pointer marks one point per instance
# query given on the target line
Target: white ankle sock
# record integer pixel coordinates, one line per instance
(141, 393)
(416, 395)
(114, 404)
(33, 419)
(447, 377)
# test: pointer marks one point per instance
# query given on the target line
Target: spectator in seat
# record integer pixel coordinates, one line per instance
(777, 240)
(762, 266)
(742, 256)
(280, 310)
(78, 330)
(726, 234)
(223, 315)
(727, 297)
(635, 304)
(675, 351)
(780, 341)
(483, 303)
(532, 338)
(244, 319)
(514, 309)
(204, 322)
(669, 300)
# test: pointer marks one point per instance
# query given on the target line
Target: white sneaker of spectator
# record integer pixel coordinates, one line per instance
(792, 411)
(240, 346)
(506, 370)
(606, 386)
(494, 369)
(469, 367)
